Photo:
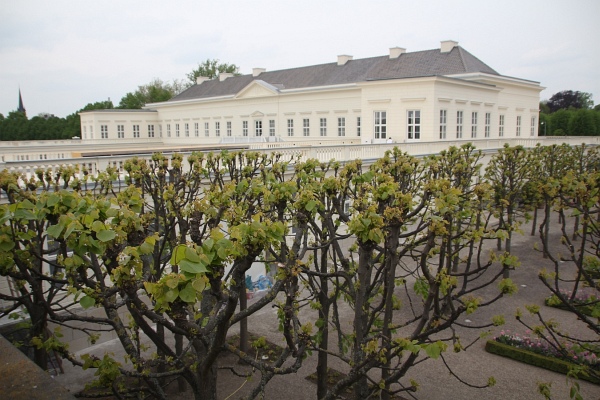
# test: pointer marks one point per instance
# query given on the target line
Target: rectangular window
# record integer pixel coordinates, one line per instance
(85, 132)
(323, 126)
(120, 131)
(136, 131)
(104, 131)
(443, 122)
(244, 128)
(187, 129)
(357, 126)
(168, 130)
(290, 127)
(160, 130)
(488, 124)
(518, 125)
(271, 127)
(176, 130)
(341, 126)
(459, 124)
(413, 125)
(380, 124)
(306, 127)
(258, 128)
(501, 126)
(474, 124)
(532, 131)
(91, 132)
(228, 128)
(150, 130)
(217, 128)
(196, 129)
(206, 129)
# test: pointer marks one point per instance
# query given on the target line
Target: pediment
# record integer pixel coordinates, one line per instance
(257, 114)
(257, 88)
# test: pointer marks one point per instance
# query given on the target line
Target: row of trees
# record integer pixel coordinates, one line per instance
(397, 248)
(569, 113)
(16, 125)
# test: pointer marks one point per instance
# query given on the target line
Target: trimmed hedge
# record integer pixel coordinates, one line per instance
(528, 357)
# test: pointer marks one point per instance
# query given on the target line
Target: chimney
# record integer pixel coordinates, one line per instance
(201, 79)
(447, 46)
(224, 75)
(395, 52)
(258, 71)
(343, 59)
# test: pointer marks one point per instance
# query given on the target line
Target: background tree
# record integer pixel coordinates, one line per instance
(559, 121)
(153, 92)
(583, 123)
(211, 69)
(570, 99)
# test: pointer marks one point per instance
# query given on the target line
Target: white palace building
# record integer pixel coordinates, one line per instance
(422, 101)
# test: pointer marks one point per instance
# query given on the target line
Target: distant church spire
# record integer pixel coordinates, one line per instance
(21, 106)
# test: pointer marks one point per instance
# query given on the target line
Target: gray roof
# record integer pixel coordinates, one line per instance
(408, 65)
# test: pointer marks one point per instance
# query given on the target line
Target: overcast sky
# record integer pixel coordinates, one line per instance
(66, 54)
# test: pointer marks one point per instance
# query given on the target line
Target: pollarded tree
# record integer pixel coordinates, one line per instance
(573, 280)
(396, 217)
(120, 246)
(508, 172)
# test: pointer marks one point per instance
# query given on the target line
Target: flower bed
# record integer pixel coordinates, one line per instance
(583, 301)
(538, 352)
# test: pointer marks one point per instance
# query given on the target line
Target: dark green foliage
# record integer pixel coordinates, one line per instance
(528, 357)
(570, 99)
(582, 123)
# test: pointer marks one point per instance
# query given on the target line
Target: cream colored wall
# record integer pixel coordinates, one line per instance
(91, 125)
(269, 106)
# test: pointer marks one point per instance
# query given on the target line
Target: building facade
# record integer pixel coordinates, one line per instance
(441, 94)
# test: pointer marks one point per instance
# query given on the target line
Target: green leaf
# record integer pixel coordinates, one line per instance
(53, 199)
(106, 235)
(178, 254)
(171, 295)
(199, 284)
(172, 282)
(194, 268)
(310, 205)
(188, 294)
(55, 230)
(191, 255)
(87, 302)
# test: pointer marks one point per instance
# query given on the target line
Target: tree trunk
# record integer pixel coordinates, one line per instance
(322, 365)
(361, 387)
(390, 285)
(244, 337)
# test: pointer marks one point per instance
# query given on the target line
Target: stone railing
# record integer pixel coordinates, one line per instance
(339, 150)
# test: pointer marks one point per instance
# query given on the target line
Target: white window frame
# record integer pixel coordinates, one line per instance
(459, 124)
(244, 128)
(518, 133)
(271, 127)
(121, 131)
(207, 129)
(290, 127)
(176, 130)
(104, 131)
(228, 127)
(358, 126)
(341, 126)
(196, 129)
(474, 118)
(413, 124)
(150, 131)
(532, 130)
(501, 121)
(306, 126)
(488, 124)
(380, 124)
(258, 127)
(217, 128)
(323, 126)
(136, 131)
(187, 129)
(168, 130)
(443, 123)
